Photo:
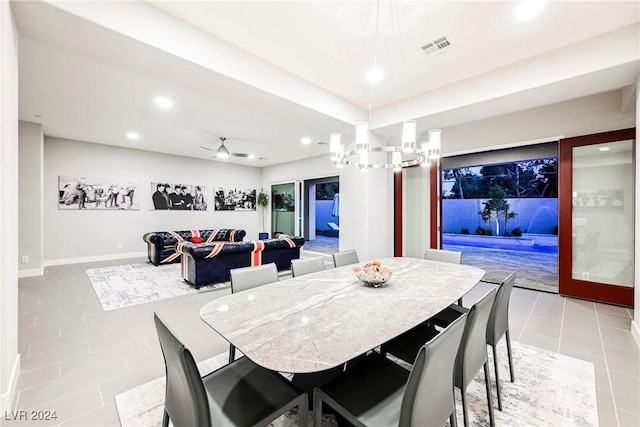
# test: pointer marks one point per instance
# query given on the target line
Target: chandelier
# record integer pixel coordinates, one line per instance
(395, 157)
(365, 156)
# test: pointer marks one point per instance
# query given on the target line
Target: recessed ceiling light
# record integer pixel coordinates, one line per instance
(133, 135)
(306, 141)
(164, 102)
(375, 75)
(528, 9)
(251, 156)
(604, 148)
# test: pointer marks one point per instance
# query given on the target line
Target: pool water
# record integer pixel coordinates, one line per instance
(496, 245)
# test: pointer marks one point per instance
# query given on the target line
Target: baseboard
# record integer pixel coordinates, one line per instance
(31, 272)
(7, 398)
(65, 261)
(635, 330)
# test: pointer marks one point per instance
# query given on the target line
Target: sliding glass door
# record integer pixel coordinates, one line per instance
(500, 209)
(283, 209)
(597, 217)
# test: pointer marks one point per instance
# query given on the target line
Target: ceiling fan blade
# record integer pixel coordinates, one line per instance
(240, 154)
(207, 148)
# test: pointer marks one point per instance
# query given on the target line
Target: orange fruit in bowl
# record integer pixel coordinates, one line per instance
(377, 262)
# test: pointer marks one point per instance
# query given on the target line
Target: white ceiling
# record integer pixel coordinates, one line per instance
(265, 74)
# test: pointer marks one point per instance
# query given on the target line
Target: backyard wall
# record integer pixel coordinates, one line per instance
(535, 216)
(324, 215)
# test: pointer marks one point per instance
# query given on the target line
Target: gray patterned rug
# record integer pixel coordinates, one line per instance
(125, 285)
(550, 390)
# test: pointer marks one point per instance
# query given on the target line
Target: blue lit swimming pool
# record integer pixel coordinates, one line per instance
(547, 244)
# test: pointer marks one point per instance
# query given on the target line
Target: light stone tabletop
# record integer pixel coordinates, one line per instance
(317, 321)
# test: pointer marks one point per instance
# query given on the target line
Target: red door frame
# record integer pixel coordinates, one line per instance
(621, 295)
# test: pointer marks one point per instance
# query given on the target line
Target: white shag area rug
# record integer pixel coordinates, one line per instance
(550, 390)
(125, 285)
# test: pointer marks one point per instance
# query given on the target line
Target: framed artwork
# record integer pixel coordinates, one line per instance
(178, 197)
(235, 199)
(79, 192)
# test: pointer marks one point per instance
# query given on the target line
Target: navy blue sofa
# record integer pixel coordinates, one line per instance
(163, 246)
(203, 264)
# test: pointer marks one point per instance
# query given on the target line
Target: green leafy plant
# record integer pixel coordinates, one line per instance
(262, 201)
(480, 231)
(516, 232)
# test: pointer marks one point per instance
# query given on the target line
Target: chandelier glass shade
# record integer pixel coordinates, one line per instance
(394, 157)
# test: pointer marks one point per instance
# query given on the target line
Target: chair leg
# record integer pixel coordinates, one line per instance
(495, 366)
(165, 419)
(453, 422)
(510, 357)
(232, 353)
(465, 414)
(317, 408)
(487, 380)
(303, 411)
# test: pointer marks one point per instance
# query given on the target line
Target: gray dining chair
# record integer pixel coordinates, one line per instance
(497, 326)
(246, 278)
(444, 255)
(345, 258)
(238, 394)
(304, 266)
(378, 392)
(472, 354)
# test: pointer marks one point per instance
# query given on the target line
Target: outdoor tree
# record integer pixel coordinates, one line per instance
(466, 183)
(327, 191)
(495, 207)
(523, 179)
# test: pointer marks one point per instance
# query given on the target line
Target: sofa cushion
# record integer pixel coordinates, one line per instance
(211, 262)
(162, 246)
(219, 248)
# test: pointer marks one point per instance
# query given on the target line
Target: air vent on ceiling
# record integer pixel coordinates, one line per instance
(437, 46)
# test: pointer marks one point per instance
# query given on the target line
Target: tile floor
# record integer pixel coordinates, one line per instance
(322, 244)
(76, 357)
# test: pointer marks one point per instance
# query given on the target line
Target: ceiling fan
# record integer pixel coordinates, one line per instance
(222, 152)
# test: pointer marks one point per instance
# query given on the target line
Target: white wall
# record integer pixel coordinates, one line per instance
(9, 357)
(582, 116)
(367, 199)
(76, 236)
(415, 211)
(366, 202)
(31, 151)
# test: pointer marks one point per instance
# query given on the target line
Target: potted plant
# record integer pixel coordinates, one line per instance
(262, 201)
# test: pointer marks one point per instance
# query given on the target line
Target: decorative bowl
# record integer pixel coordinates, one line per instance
(373, 274)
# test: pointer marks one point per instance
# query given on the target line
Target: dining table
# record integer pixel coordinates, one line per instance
(321, 320)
